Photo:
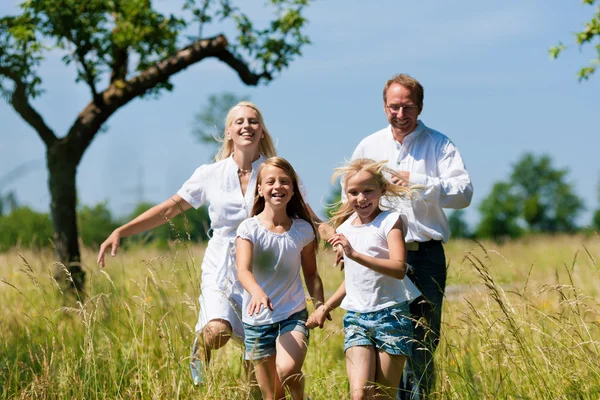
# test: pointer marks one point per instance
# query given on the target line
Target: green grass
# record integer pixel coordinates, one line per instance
(521, 320)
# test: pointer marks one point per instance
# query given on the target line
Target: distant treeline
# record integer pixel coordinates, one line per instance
(24, 227)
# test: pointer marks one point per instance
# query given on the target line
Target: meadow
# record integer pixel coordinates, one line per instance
(521, 320)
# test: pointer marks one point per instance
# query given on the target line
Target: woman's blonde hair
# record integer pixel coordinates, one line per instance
(377, 169)
(296, 208)
(266, 147)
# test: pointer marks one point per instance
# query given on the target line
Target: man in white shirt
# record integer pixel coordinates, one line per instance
(424, 157)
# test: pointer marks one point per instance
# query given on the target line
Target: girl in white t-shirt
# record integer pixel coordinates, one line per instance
(271, 247)
(376, 292)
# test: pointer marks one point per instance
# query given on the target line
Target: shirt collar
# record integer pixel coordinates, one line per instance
(411, 136)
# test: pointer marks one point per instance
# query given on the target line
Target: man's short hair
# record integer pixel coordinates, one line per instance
(408, 82)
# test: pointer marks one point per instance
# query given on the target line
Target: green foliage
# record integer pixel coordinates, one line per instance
(108, 36)
(537, 196)
(26, 228)
(589, 34)
(95, 224)
(499, 213)
(210, 121)
(548, 202)
(458, 226)
(596, 220)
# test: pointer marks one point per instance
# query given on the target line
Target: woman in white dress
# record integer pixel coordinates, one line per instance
(227, 186)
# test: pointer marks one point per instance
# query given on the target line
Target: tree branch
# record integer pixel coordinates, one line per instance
(120, 92)
(20, 103)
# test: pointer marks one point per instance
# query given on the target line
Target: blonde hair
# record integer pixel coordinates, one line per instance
(296, 208)
(408, 82)
(377, 170)
(266, 147)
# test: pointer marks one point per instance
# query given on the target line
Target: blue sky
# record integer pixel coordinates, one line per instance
(489, 86)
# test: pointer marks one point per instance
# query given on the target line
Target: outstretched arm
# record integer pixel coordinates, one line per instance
(156, 216)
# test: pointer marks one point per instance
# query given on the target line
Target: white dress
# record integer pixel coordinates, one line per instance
(218, 185)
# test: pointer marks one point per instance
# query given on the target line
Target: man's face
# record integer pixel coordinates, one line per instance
(401, 109)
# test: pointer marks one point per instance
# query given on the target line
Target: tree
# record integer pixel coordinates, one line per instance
(537, 196)
(458, 226)
(596, 216)
(8, 202)
(587, 35)
(548, 203)
(210, 121)
(122, 50)
(499, 213)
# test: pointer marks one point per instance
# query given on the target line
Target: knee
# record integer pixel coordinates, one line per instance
(216, 334)
(289, 375)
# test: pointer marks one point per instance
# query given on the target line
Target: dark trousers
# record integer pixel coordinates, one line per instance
(429, 275)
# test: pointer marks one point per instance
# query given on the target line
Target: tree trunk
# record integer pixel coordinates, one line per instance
(62, 168)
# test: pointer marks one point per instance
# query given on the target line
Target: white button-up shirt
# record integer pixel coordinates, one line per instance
(435, 164)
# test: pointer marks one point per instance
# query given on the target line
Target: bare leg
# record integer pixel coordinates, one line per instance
(268, 381)
(214, 336)
(291, 351)
(360, 368)
(388, 374)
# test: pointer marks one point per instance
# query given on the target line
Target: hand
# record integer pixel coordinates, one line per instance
(401, 178)
(342, 241)
(318, 317)
(258, 301)
(113, 242)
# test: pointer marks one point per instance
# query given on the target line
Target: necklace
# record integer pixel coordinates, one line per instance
(244, 171)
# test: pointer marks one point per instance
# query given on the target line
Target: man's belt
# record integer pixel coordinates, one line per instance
(416, 246)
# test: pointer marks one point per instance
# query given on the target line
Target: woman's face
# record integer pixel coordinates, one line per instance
(245, 130)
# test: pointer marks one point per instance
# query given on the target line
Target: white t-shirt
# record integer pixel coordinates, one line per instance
(218, 185)
(368, 290)
(434, 162)
(276, 267)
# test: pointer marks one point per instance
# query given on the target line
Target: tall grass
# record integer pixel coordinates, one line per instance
(521, 320)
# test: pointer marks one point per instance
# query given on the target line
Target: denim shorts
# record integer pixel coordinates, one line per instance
(389, 330)
(261, 340)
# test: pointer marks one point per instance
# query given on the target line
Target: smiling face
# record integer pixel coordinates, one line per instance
(364, 191)
(245, 130)
(402, 109)
(275, 185)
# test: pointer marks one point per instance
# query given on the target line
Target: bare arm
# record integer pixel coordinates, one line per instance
(243, 257)
(318, 317)
(394, 266)
(312, 279)
(156, 216)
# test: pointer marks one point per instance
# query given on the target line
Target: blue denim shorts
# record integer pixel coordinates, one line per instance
(260, 340)
(389, 330)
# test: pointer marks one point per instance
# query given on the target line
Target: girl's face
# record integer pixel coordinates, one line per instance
(245, 129)
(363, 192)
(276, 186)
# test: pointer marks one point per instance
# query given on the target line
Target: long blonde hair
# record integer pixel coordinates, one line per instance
(296, 208)
(377, 169)
(266, 147)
